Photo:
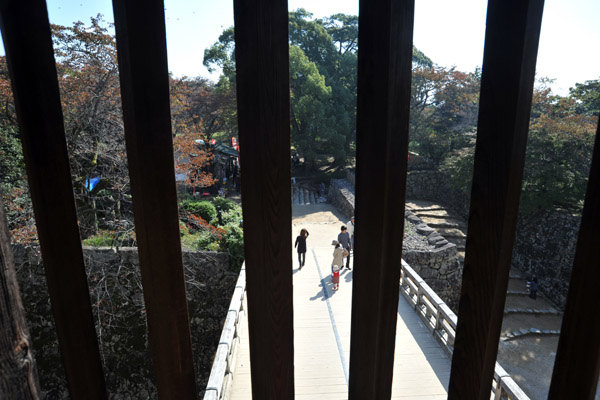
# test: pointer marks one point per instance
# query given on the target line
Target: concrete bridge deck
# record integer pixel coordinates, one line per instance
(322, 328)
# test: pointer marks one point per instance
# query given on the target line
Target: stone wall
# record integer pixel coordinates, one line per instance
(434, 186)
(425, 183)
(545, 247)
(341, 195)
(438, 266)
(118, 307)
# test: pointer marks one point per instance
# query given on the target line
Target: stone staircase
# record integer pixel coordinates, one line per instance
(304, 195)
(530, 328)
(447, 223)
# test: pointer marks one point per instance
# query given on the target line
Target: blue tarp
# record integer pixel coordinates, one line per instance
(91, 183)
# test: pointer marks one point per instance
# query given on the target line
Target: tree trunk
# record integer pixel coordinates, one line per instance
(18, 373)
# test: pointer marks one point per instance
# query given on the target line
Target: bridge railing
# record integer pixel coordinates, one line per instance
(221, 374)
(441, 321)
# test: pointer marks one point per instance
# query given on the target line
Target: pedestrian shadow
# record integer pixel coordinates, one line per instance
(347, 275)
(326, 290)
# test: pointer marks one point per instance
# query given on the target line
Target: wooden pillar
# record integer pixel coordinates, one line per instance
(511, 43)
(577, 362)
(18, 372)
(262, 64)
(384, 84)
(142, 53)
(28, 43)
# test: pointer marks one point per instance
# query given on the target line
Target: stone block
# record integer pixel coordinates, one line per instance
(424, 229)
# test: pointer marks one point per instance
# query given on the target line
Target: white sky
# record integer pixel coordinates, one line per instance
(450, 32)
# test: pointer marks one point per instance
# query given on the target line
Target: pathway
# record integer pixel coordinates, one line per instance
(322, 328)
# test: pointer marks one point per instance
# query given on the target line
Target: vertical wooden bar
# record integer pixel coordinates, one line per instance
(577, 363)
(262, 58)
(142, 54)
(18, 372)
(511, 43)
(384, 84)
(28, 43)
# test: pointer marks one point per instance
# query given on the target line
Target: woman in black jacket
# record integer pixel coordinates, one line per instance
(301, 244)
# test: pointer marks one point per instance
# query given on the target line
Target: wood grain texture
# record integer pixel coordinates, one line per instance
(262, 59)
(142, 54)
(511, 43)
(577, 363)
(18, 372)
(28, 44)
(384, 84)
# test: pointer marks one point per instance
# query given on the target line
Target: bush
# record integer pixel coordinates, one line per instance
(204, 209)
(207, 241)
(234, 242)
(111, 239)
(222, 204)
(233, 216)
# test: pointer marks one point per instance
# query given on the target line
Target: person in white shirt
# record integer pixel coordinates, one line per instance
(350, 226)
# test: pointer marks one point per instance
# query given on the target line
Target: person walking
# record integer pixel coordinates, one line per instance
(344, 239)
(301, 245)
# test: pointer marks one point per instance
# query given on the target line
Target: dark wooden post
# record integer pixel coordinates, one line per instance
(511, 43)
(142, 53)
(262, 58)
(26, 34)
(384, 84)
(18, 373)
(577, 362)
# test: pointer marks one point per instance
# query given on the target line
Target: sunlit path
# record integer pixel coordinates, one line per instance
(322, 328)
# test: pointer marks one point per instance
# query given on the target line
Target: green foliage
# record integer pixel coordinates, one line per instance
(234, 242)
(559, 150)
(233, 216)
(460, 168)
(443, 113)
(226, 235)
(204, 209)
(105, 238)
(12, 164)
(587, 97)
(223, 204)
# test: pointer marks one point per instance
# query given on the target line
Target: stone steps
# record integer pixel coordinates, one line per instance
(533, 311)
(304, 196)
(531, 331)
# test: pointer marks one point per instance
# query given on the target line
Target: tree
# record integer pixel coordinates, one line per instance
(559, 150)
(18, 372)
(444, 108)
(191, 161)
(90, 94)
(587, 97)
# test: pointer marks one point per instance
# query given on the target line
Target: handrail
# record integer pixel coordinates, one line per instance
(221, 373)
(436, 315)
(441, 321)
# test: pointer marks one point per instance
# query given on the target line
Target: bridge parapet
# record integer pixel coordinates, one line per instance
(221, 374)
(441, 322)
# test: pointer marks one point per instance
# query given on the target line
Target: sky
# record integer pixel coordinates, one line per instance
(450, 32)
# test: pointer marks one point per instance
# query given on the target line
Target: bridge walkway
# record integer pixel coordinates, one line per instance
(322, 328)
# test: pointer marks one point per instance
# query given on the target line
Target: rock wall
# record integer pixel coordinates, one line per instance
(341, 195)
(545, 247)
(434, 186)
(117, 302)
(438, 266)
(425, 183)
